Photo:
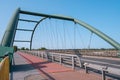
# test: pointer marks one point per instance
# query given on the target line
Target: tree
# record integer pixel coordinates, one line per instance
(23, 48)
(42, 48)
(27, 49)
(15, 48)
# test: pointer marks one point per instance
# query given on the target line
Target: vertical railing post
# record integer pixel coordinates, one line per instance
(80, 62)
(103, 75)
(42, 55)
(38, 53)
(34, 53)
(60, 57)
(52, 57)
(73, 64)
(104, 70)
(47, 57)
(86, 68)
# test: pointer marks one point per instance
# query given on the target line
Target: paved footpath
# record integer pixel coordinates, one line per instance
(29, 67)
(21, 69)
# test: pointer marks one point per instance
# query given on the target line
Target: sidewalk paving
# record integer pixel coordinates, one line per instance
(21, 69)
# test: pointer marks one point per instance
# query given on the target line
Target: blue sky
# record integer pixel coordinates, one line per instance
(102, 14)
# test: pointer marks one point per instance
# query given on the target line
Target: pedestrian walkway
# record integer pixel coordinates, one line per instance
(29, 67)
(21, 69)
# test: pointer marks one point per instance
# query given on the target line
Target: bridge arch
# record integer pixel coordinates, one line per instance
(10, 32)
(34, 31)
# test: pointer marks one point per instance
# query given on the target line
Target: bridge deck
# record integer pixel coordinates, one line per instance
(28, 67)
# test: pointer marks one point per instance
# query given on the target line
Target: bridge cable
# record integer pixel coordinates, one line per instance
(46, 37)
(61, 37)
(41, 41)
(43, 33)
(64, 34)
(57, 40)
(80, 36)
(68, 37)
(89, 44)
(50, 34)
(74, 35)
(54, 34)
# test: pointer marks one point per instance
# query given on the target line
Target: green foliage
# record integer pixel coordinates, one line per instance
(23, 48)
(15, 48)
(42, 48)
(27, 49)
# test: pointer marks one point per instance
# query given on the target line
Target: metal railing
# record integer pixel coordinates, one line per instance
(4, 68)
(73, 61)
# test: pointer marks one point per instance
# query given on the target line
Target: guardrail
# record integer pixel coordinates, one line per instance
(103, 69)
(4, 68)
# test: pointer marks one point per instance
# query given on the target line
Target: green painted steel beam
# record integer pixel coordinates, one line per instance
(7, 50)
(47, 15)
(34, 31)
(4, 50)
(9, 34)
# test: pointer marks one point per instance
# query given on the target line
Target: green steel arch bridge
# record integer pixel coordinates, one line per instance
(8, 39)
(9, 35)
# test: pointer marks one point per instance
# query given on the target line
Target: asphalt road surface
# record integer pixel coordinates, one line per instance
(102, 61)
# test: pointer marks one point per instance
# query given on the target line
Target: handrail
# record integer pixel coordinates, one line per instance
(61, 58)
(4, 69)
